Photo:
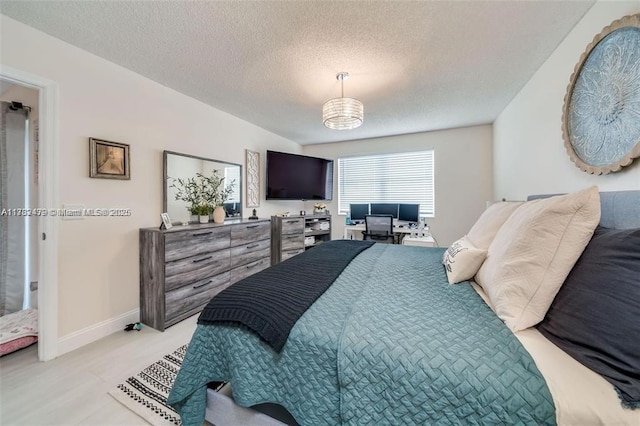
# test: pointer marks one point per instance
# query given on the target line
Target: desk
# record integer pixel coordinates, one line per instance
(350, 229)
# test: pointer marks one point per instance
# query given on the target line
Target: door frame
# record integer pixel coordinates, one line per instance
(47, 198)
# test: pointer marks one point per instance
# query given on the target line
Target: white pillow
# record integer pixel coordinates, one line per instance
(462, 260)
(533, 253)
(486, 227)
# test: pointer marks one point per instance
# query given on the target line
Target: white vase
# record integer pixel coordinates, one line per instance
(318, 211)
(204, 218)
(218, 214)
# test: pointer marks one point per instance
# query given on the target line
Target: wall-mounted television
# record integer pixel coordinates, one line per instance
(298, 177)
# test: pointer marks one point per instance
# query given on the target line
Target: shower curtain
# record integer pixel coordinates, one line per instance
(12, 195)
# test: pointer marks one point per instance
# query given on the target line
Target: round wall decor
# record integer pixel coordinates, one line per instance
(601, 113)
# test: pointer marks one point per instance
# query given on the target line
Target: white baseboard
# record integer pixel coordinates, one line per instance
(97, 331)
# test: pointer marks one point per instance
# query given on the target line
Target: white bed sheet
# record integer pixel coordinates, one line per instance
(581, 396)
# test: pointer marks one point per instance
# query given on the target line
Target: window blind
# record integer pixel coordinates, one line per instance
(387, 178)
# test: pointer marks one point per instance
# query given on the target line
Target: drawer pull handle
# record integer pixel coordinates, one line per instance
(202, 260)
(202, 285)
(202, 234)
(255, 264)
(293, 221)
(252, 226)
(253, 246)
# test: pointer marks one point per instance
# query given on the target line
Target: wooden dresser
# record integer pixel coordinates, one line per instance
(181, 269)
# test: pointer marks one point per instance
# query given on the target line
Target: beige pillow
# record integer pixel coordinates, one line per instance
(486, 227)
(462, 260)
(533, 253)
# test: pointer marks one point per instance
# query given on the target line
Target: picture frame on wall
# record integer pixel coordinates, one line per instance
(253, 178)
(109, 160)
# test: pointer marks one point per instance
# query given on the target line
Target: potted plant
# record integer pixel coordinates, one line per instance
(216, 193)
(203, 211)
(204, 194)
(190, 191)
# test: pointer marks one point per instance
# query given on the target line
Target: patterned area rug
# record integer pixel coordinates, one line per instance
(146, 393)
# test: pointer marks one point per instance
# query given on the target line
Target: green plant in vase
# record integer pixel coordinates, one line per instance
(216, 193)
(202, 210)
(190, 191)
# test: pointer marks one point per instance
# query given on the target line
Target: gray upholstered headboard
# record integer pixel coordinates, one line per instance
(620, 209)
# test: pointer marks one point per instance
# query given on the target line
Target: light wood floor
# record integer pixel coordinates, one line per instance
(72, 389)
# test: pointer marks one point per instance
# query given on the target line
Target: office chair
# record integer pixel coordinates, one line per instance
(378, 227)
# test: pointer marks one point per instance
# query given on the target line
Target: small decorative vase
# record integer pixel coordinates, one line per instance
(318, 211)
(204, 218)
(194, 218)
(218, 214)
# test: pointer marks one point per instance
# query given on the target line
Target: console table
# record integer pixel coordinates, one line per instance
(182, 268)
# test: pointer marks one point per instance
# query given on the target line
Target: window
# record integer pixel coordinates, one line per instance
(232, 174)
(387, 178)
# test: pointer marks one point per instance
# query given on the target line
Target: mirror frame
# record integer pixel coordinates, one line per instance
(165, 176)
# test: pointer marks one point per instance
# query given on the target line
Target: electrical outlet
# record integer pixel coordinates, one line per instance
(33, 286)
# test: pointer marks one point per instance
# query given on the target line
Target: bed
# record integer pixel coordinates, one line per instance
(391, 342)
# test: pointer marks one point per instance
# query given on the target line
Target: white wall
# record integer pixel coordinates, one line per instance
(529, 154)
(98, 256)
(463, 174)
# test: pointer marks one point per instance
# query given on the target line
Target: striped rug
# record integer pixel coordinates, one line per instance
(146, 393)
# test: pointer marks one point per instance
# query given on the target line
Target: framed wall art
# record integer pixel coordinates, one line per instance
(601, 113)
(109, 160)
(253, 178)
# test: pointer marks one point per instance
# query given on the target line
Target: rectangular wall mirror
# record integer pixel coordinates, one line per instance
(184, 166)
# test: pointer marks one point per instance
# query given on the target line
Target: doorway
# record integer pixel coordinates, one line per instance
(18, 199)
(46, 234)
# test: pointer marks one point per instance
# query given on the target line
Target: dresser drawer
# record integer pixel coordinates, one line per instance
(292, 242)
(248, 253)
(245, 270)
(193, 296)
(246, 233)
(292, 226)
(185, 271)
(180, 245)
(290, 253)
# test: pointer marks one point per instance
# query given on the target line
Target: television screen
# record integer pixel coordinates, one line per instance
(357, 212)
(409, 213)
(298, 177)
(385, 208)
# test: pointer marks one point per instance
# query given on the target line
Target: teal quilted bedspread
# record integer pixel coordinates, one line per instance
(390, 342)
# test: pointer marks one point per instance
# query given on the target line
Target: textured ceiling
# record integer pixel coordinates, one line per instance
(416, 66)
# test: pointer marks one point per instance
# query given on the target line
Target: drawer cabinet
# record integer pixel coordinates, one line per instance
(244, 271)
(180, 245)
(250, 249)
(186, 271)
(247, 253)
(181, 269)
(190, 299)
(288, 235)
